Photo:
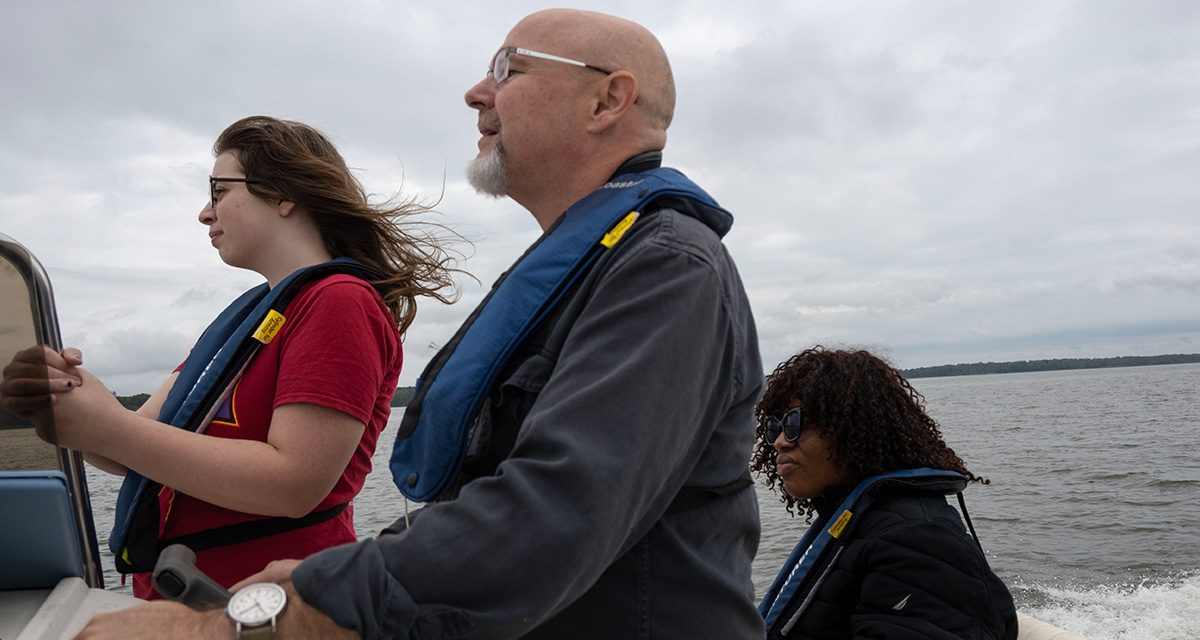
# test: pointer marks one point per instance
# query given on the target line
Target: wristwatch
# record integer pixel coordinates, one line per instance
(253, 610)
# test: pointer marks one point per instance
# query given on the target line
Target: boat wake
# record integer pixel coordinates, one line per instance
(1164, 610)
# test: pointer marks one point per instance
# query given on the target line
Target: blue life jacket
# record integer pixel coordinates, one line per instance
(434, 433)
(813, 557)
(213, 367)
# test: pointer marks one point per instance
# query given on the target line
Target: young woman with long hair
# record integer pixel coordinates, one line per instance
(293, 437)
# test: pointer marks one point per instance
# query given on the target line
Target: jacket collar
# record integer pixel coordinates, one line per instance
(641, 162)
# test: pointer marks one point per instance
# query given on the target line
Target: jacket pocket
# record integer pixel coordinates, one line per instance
(495, 431)
(514, 398)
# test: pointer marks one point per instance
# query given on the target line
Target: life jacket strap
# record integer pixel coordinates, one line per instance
(251, 530)
(962, 503)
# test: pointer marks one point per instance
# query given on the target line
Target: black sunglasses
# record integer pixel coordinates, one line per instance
(791, 425)
(212, 186)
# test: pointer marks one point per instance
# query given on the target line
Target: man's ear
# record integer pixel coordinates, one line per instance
(616, 95)
(285, 208)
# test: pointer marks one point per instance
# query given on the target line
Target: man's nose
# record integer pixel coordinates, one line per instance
(482, 95)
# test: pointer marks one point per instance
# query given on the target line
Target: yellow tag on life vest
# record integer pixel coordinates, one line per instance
(269, 327)
(614, 234)
(840, 524)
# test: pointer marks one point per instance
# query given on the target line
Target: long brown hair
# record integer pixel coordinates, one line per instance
(297, 163)
(871, 416)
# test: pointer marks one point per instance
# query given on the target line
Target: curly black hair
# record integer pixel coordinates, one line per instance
(872, 418)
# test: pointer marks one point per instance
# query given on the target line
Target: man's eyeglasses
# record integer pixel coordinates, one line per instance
(499, 70)
(212, 186)
(791, 425)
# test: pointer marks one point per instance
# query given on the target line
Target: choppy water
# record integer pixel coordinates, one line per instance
(1092, 517)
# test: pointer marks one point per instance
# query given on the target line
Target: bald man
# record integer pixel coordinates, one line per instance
(605, 491)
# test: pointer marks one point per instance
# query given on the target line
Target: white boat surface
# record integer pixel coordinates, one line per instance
(54, 614)
(1034, 629)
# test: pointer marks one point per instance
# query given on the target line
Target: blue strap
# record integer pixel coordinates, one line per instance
(215, 364)
(793, 562)
(433, 436)
(815, 548)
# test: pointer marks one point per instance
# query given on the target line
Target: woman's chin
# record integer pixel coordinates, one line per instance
(799, 490)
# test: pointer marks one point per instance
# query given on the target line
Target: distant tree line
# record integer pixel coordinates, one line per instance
(404, 394)
(8, 420)
(133, 402)
(1055, 364)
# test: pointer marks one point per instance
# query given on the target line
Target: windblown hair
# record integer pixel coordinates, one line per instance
(297, 163)
(872, 418)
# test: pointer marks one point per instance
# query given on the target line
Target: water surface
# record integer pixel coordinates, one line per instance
(1091, 516)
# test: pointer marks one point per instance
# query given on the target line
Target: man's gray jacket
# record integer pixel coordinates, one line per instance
(584, 511)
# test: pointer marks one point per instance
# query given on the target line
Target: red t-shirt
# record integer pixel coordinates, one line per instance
(338, 348)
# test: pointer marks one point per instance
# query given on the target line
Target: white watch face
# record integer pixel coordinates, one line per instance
(256, 604)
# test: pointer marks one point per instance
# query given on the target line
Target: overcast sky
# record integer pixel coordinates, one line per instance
(943, 181)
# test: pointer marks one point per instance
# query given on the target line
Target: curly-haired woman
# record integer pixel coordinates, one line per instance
(847, 438)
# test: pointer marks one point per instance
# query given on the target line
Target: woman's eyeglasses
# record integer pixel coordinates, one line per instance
(791, 425)
(212, 186)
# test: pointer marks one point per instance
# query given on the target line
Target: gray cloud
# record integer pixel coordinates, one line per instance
(944, 181)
